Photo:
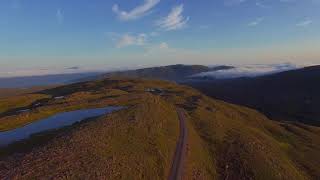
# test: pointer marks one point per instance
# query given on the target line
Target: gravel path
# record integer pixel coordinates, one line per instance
(178, 159)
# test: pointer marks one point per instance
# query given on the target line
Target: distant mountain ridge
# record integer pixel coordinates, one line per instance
(176, 73)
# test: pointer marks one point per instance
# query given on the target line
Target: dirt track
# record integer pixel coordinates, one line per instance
(179, 156)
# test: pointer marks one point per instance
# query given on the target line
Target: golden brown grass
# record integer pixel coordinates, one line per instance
(225, 141)
(135, 143)
(20, 101)
(11, 92)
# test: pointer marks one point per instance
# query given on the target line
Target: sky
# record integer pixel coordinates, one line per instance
(112, 34)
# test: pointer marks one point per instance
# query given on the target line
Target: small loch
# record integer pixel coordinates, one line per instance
(53, 122)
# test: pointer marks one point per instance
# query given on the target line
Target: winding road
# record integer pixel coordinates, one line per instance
(181, 148)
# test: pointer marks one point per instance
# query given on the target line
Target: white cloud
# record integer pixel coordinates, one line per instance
(262, 5)
(158, 49)
(131, 40)
(60, 16)
(252, 70)
(233, 2)
(164, 45)
(204, 27)
(174, 21)
(135, 13)
(287, 1)
(256, 22)
(304, 23)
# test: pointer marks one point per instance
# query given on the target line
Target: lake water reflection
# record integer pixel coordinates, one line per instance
(54, 122)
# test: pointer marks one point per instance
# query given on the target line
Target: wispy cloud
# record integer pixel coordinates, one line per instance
(131, 40)
(304, 23)
(256, 22)
(174, 21)
(136, 12)
(158, 49)
(262, 5)
(163, 45)
(204, 27)
(59, 16)
(287, 1)
(233, 2)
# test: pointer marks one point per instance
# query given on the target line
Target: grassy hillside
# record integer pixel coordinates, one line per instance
(225, 141)
(138, 142)
(9, 92)
(21, 101)
(290, 96)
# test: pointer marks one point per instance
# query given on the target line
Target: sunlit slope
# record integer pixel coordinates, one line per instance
(244, 144)
(225, 141)
(138, 142)
(20, 101)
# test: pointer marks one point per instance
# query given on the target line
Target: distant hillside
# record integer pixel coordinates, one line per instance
(224, 141)
(172, 73)
(291, 95)
(44, 80)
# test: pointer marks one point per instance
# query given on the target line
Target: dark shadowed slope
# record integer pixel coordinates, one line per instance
(292, 95)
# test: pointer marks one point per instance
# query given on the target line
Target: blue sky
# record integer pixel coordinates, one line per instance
(135, 33)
